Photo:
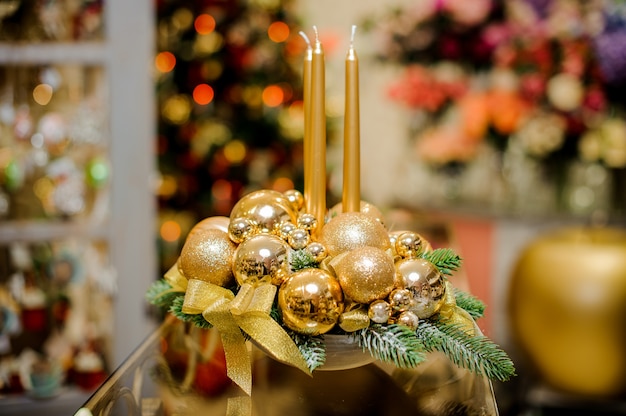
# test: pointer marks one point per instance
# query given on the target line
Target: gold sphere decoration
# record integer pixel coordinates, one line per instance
(207, 255)
(409, 245)
(317, 251)
(426, 284)
(379, 311)
(211, 223)
(284, 229)
(298, 239)
(262, 258)
(365, 274)
(311, 301)
(364, 207)
(239, 229)
(395, 235)
(307, 221)
(350, 230)
(265, 208)
(408, 319)
(296, 199)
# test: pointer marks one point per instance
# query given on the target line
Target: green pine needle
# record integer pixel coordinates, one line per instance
(313, 349)
(474, 306)
(160, 294)
(302, 259)
(446, 260)
(477, 353)
(176, 309)
(395, 344)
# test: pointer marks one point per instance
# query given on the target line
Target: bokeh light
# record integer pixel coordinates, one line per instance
(282, 184)
(221, 190)
(165, 62)
(170, 231)
(273, 96)
(204, 24)
(176, 109)
(278, 32)
(167, 186)
(203, 94)
(235, 151)
(42, 94)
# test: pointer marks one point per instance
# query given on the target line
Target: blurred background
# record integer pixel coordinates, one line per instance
(495, 127)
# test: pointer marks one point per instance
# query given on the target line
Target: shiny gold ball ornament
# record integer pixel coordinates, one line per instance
(317, 251)
(311, 301)
(409, 245)
(261, 258)
(379, 311)
(239, 229)
(365, 274)
(365, 208)
(265, 208)
(350, 230)
(284, 229)
(426, 284)
(207, 255)
(296, 199)
(211, 223)
(298, 239)
(400, 299)
(307, 221)
(409, 319)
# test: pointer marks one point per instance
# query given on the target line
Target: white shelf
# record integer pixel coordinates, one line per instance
(88, 53)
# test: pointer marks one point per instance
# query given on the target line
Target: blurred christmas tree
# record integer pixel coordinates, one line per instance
(229, 107)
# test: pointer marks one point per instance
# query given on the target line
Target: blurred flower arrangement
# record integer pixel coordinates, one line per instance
(536, 81)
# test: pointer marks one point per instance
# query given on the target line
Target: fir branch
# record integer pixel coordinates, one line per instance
(477, 353)
(446, 260)
(313, 349)
(302, 259)
(160, 294)
(395, 344)
(176, 309)
(474, 306)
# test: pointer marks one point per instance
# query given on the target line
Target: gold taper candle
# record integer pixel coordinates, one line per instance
(351, 200)
(318, 134)
(306, 96)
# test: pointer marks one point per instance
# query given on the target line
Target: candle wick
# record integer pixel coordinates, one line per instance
(317, 36)
(352, 36)
(306, 38)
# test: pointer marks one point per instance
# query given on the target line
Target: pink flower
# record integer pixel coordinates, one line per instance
(446, 144)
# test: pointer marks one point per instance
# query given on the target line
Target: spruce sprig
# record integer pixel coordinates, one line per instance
(176, 309)
(312, 348)
(160, 294)
(476, 353)
(474, 306)
(395, 344)
(302, 259)
(446, 260)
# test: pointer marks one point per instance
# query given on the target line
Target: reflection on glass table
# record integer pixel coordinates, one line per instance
(181, 371)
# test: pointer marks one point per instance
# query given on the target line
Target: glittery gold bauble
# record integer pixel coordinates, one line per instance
(239, 229)
(266, 208)
(311, 301)
(351, 230)
(298, 239)
(317, 251)
(409, 245)
(365, 274)
(261, 258)
(211, 223)
(379, 311)
(365, 208)
(296, 199)
(207, 255)
(567, 304)
(409, 319)
(426, 284)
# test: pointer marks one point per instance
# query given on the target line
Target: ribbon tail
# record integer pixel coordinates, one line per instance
(175, 278)
(239, 406)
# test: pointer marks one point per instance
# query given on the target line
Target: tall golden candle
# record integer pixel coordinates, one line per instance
(351, 198)
(306, 92)
(318, 134)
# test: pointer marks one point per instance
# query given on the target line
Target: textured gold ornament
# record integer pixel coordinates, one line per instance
(311, 301)
(265, 208)
(351, 230)
(317, 251)
(307, 222)
(408, 318)
(400, 299)
(365, 274)
(409, 245)
(365, 208)
(207, 256)
(298, 239)
(379, 311)
(426, 284)
(261, 258)
(239, 229)
(211, 223)
(296, 199)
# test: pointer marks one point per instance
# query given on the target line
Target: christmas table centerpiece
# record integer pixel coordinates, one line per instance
(324, 289)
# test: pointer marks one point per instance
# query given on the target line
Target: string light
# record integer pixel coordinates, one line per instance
(165, 62)
(204, 24)
(278, 32)
(203, 94)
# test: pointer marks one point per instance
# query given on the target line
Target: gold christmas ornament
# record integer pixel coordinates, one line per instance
(426, 284)
(409, 319)
(365, 274)
(207, 255)
(379, 311)
(409, 245)
(365, 208)
(239, 229)
(307, 222)
(311, 301)
(400, 299)
(395, 235)
(298, 239)
(350, 230)
(284, 229)
(296, 199)
(261, 258)
(317, 251)
(265, 208)
(211, 223)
